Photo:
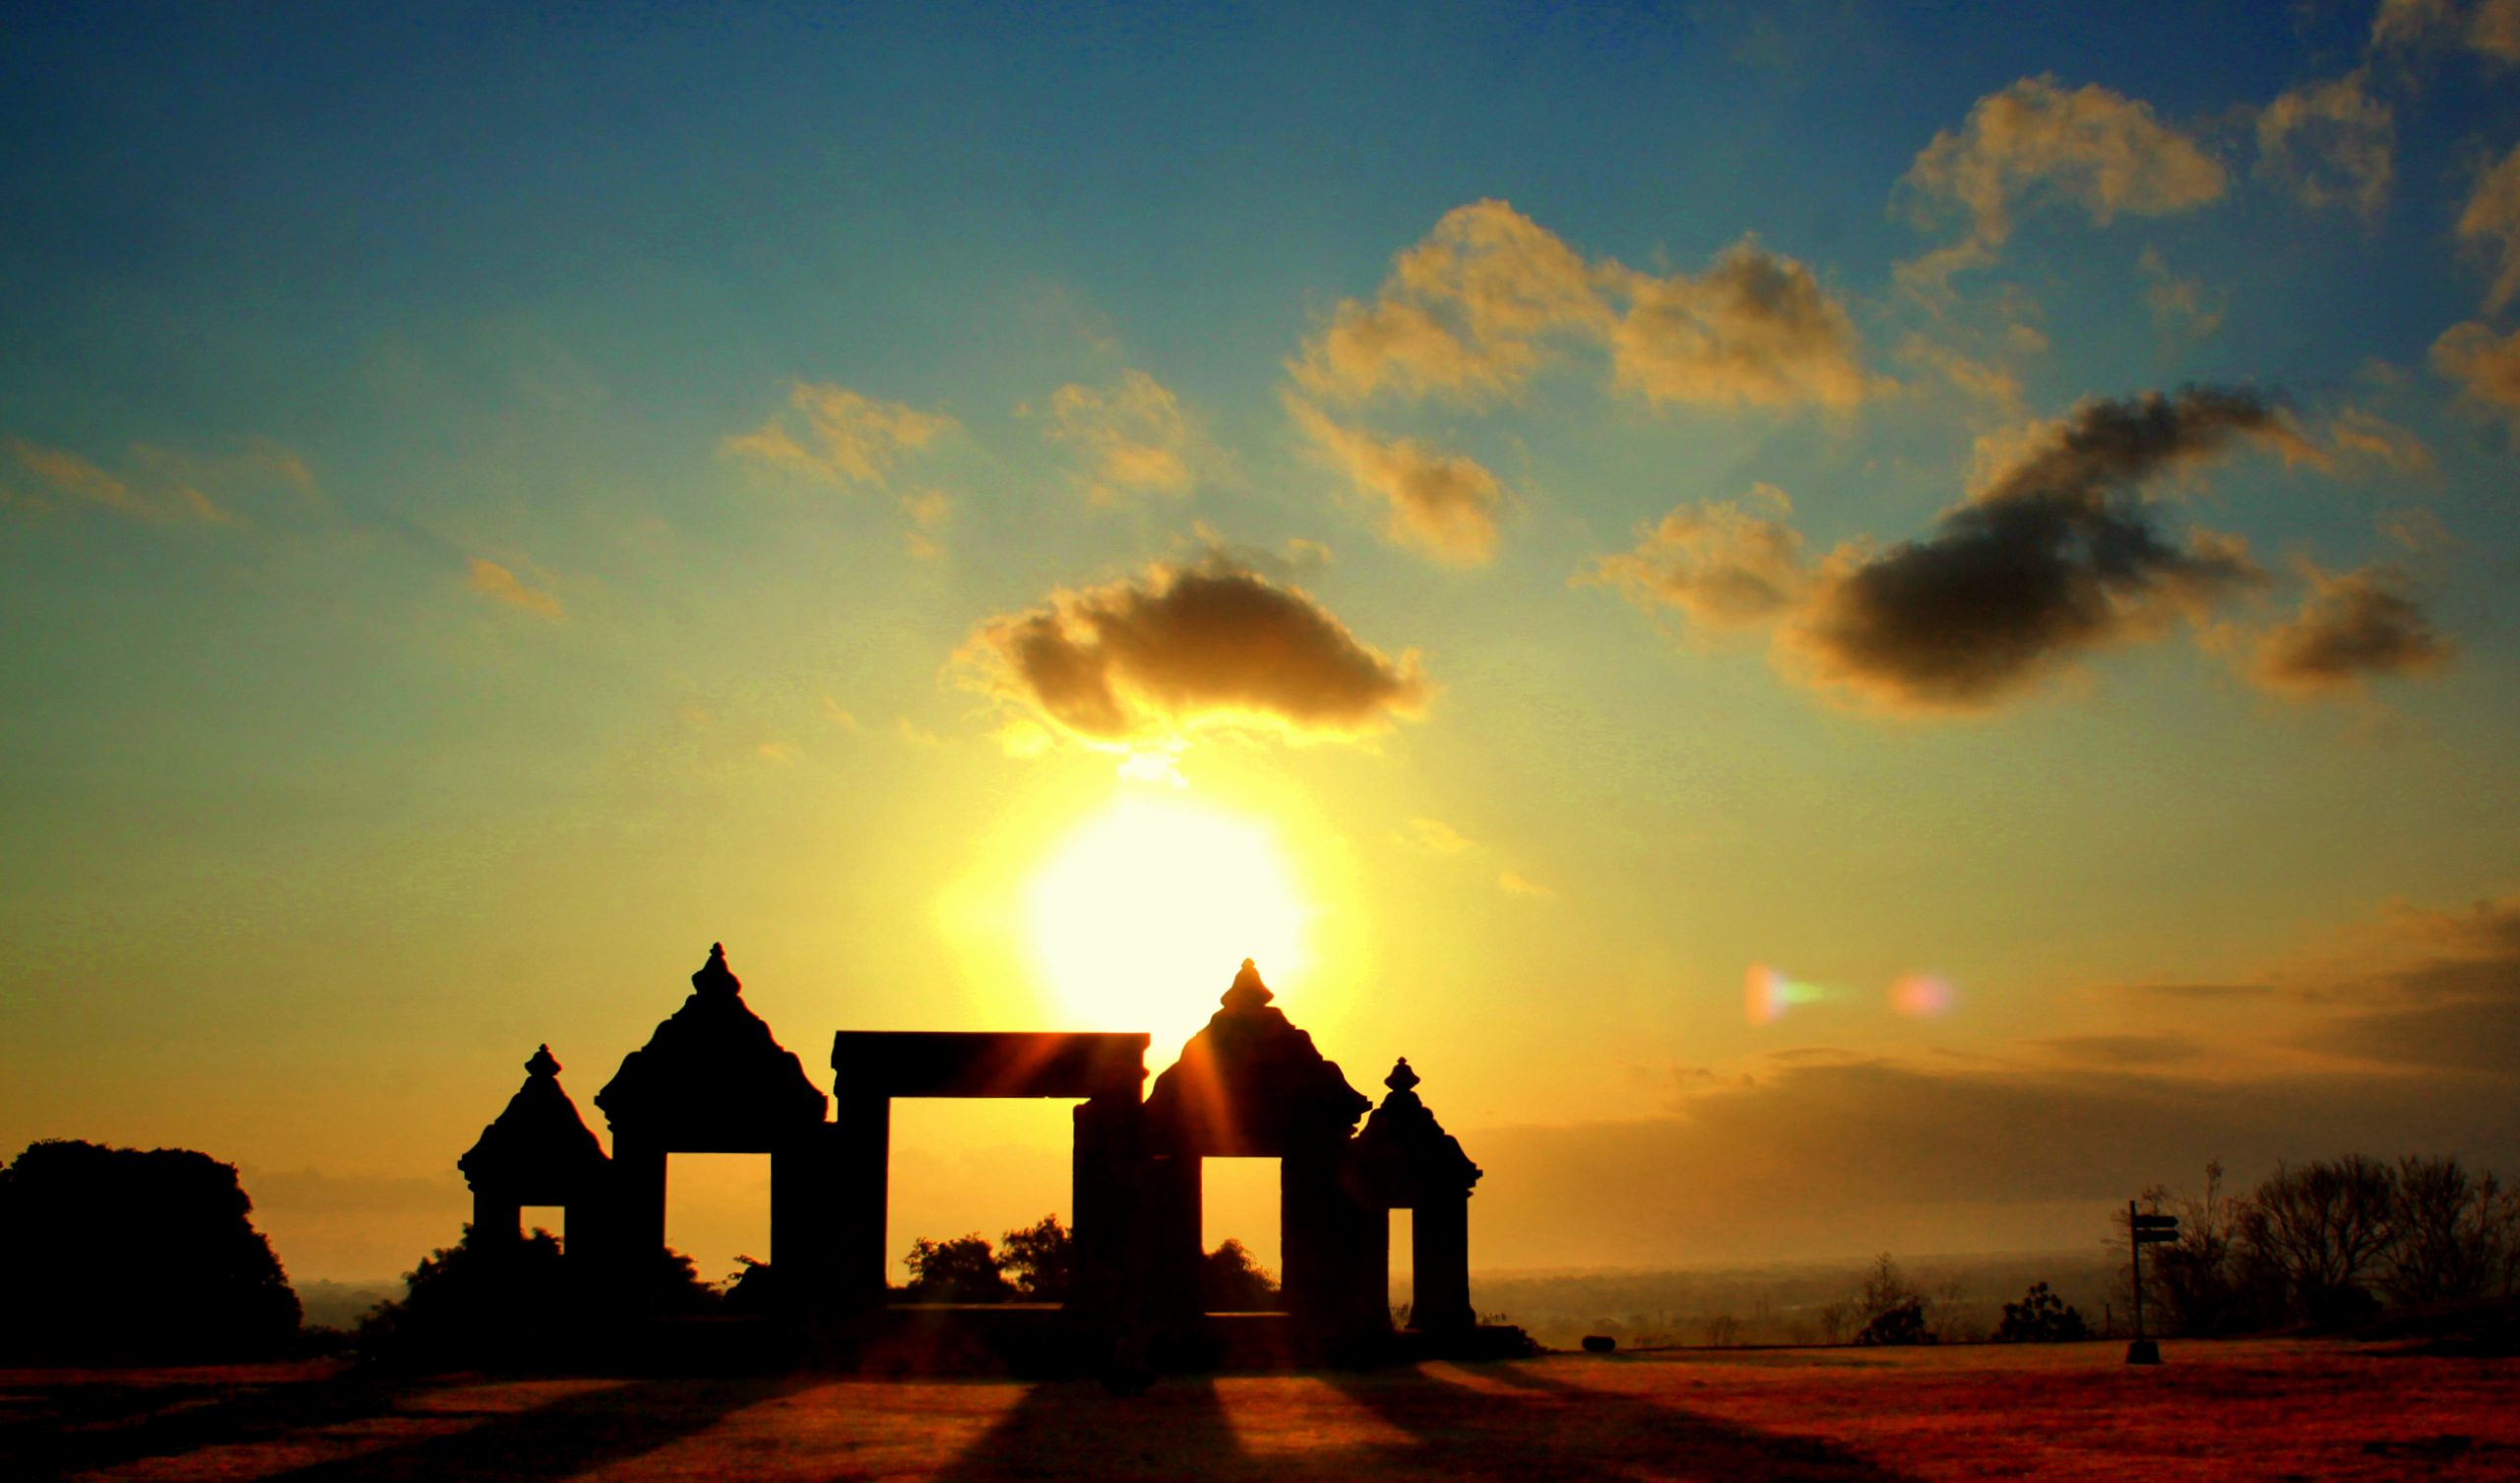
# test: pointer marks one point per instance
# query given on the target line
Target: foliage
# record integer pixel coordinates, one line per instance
(1230, 1281)
(2323, 1227)
(2041, 1318)
(520, 1303)
(2327, 1241)
(1040, 1260)
(2457, 1235)
(121, 1254)
(961, 1271)
(1890, 1307)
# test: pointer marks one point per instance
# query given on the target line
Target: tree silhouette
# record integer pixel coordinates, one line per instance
(1041, 1258)
(1230, 1281)
(507, 1303)
(961, 1271)
(2324, 1227)
(120, 1255)
(2041, 1318)
(1892, 1308)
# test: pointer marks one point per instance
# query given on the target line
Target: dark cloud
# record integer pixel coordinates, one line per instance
(2057, 557)
(1178, 649)
(2355, 626)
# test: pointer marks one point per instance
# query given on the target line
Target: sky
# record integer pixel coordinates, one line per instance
(1855, 629)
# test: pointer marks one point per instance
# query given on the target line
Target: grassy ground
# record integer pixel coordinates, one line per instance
(2259, 1410)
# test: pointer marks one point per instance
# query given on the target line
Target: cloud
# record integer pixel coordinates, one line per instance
(2034, 144)
(2491, 224)
(494, 581)
(1755, 329)
(2358, 434)
(1444, 505)
(2355, 626)
(1461, 313)
(2182, 308)
(850, 438)
(2487, 368)
(1434, 836)
(1968, 375)
(2053, 557)
(2491, 28)
(1155, 657)
(1485, 302)
(2329, 142)
(1515, 884)
(167, 501)
(1722, 563)
(1133, 437)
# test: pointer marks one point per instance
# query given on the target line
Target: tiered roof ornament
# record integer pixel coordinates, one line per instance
(538, 1145)
(1250, 1082)
(712, 1069)
(1404, 1155)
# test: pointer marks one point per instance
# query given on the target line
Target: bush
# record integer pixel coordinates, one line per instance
(1040, 1259)
(115, 1255)
(1230, 1281)
(508, 1304)
(961, 1271)
(2041, 1318)
(1893, 1311)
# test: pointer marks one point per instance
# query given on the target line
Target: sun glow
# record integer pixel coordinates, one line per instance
(1139, 918)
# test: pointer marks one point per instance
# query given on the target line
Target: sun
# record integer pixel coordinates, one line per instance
(1140, 917)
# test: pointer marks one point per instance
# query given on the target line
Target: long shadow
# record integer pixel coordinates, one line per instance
(1563, 1431)
(558, 1440)
(75, 1427)
(1076, 1429)
(1452, 1432)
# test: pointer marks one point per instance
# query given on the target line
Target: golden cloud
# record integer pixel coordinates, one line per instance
(2330, 143)
(498, 583)
(2034, 142)
(2487, 367)
(1472, 310)
(2355, 626)
(1134, 437)
(1721, 563)
(1443, 503)
(850, 438)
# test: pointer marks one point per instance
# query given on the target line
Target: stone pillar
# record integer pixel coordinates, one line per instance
(1108, 1146)
(804, 1252)
(637, 1226)
(1172, 1205)
(858, 1181)
(1439, 1250)
(496, 1218)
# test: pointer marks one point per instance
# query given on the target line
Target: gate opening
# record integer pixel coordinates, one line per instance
(718, 1209)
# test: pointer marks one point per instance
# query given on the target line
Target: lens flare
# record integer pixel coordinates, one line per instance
(1922, 996)
(1769, 994)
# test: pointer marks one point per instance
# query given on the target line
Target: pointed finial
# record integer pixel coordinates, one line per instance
(1401, 1078)
(1248, 992)
(714, 977)
(542, 1064)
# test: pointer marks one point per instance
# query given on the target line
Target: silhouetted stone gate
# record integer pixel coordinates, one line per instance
(713, 1079)
(873, 1068)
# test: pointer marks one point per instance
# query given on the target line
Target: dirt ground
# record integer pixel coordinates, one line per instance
(2259, 1410)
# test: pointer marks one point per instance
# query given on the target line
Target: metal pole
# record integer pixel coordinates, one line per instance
(2135, 1249)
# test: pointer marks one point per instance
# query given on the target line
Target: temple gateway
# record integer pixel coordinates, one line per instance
(714, 1080)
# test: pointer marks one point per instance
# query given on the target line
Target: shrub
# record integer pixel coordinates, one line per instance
(2041, 1318)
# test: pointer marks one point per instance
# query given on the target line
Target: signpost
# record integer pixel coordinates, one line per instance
(2144, 1230)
